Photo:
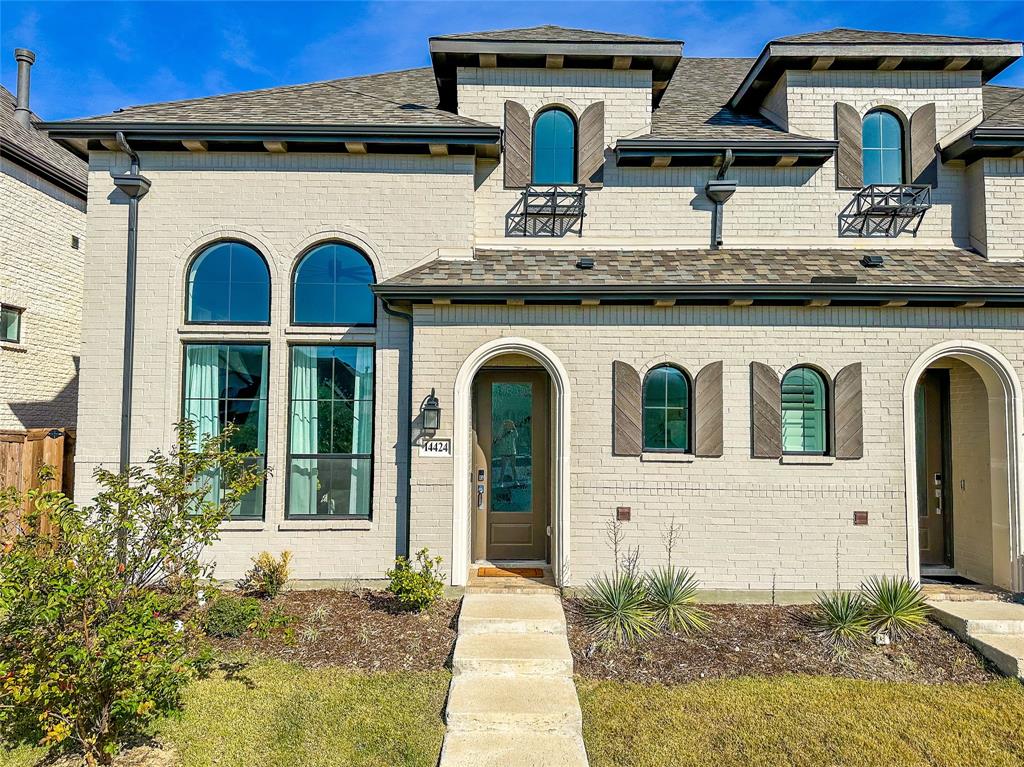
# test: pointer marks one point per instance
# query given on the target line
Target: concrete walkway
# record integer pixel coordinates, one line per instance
(512, 701)
(994, 628)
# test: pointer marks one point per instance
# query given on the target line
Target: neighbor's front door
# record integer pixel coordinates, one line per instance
(510, 487)
(935, 514)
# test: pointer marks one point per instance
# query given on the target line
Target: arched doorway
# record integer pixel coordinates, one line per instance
(511, 458)
(962, 425)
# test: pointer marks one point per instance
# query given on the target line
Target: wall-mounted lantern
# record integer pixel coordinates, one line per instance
(430, 411)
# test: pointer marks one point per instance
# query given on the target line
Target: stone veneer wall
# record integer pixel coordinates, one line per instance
(41, 273)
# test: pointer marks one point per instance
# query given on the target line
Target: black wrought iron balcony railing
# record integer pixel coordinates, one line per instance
(885, 210)
(547, 211)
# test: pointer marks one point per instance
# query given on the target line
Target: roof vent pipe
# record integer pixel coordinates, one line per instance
(22, 113)
(719, 190)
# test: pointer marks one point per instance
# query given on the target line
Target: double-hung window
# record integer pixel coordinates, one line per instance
(330, 449)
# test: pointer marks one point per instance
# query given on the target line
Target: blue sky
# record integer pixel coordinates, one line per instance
(96, 57)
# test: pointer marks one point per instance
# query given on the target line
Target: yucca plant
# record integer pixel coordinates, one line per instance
(895, 606)
(841, 618)
(672, 596)
(616, 608)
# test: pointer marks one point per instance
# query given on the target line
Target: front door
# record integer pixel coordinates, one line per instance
(935, 514)
(510, 472)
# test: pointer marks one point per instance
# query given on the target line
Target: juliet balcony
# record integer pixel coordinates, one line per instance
(885, 210)
(548, 211)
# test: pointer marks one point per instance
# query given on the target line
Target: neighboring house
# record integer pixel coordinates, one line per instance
(776, 302)
(42, 226)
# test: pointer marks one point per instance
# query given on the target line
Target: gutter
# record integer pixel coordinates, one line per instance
(402, 541)
(985, 138)
(51, 173)
(817, 149)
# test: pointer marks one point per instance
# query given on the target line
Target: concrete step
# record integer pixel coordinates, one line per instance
(515, 613)
(529, 749)
(981, 617)
(497, 703)
(1004, 650)
(513, 653)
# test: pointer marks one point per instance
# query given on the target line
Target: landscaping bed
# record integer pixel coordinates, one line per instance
(767, 641)
(354, 629)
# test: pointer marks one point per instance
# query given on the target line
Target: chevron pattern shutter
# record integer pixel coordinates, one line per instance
(765, 411)
(517, 149)
(707, 405)
(849, 412)
(590, 152)
(627, 431)
(850, 153)
(924, 165)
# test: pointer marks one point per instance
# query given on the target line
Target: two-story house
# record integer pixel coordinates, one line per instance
(563, 277)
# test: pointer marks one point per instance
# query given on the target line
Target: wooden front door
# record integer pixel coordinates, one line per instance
(511, 467)
(935, 513)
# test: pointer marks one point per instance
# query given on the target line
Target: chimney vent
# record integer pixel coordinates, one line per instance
(22, 112)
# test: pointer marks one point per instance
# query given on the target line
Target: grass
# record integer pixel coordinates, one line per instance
(802, 721)
(272, 714)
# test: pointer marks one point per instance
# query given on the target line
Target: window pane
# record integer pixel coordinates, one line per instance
(883, 148)
(208, 301)
(655, 387)
(873, 167)
(329, 486)
(872, 136)
(892, 166)
(676, 429)
(249, 301)
(332, 287)
(512, 447)
(675, 388)
(10, 325)
(229, 282)
(554, 148)
(654, 428)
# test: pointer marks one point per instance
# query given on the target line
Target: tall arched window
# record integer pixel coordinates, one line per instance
(666, 410)
(332, 287)
(883, 148)
(229, 283)
(804, 412)
(554, 148)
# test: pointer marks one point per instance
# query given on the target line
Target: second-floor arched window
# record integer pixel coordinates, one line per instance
(666, 408)
(229, 283)
(804, 412)
(883, 148)
(554, 148)
(332, 287)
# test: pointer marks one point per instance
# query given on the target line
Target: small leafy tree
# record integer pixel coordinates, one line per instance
(95, 637)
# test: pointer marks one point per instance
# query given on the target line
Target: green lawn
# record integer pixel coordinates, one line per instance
(803, 722)
(276, 714)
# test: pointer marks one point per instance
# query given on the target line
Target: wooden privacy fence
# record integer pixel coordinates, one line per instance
(24, 452)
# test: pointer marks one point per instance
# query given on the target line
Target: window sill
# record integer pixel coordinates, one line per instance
(348, 331)
(809, 460)
(198, 330)
(243, 526)
(667, 457)
(324, 524)
(13, 346)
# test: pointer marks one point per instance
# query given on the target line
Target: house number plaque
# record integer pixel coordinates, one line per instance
(436, 448)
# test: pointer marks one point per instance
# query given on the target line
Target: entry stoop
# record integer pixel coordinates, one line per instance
(512, 701)
(995, 629)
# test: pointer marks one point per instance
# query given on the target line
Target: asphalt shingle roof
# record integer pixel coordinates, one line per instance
(1004, 107)
(727, 267)
(38, 144)
(407, 97)
(549, 33)
(845, 35)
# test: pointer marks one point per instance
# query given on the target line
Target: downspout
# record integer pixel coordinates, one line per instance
(719, 190)
(402, 541)
(135, 186)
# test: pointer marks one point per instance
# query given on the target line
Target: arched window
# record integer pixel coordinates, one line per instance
(554, 148)
(804, 412)
(229, 283)
(883, 148)
(667, 410)
(332, 287)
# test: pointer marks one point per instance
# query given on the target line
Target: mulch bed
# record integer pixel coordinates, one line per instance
(356, 629)
(767, 640)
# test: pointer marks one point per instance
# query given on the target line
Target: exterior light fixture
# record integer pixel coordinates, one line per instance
(430, 411)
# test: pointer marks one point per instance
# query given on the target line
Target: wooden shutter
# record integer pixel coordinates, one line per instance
(707, 416)
(850, 153)
(765, 411)
(627, 432)
(590, 153)
(924, 166)
(518, 149)
(849, 412)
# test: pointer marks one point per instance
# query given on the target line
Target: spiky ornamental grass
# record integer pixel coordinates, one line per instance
(672, 595)
(841, 618)
(895, 606)
(616, 608)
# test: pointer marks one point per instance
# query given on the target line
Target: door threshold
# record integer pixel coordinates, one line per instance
(511, 563)
(940, 571)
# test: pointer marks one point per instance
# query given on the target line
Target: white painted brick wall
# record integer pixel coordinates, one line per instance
(41, 273)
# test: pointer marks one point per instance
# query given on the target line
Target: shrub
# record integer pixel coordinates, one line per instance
(841, 618)
(267, 575)
(672, 597)
(231, 616)
(90, 652)
(417, 587)
(617, 609)
(895, 606)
